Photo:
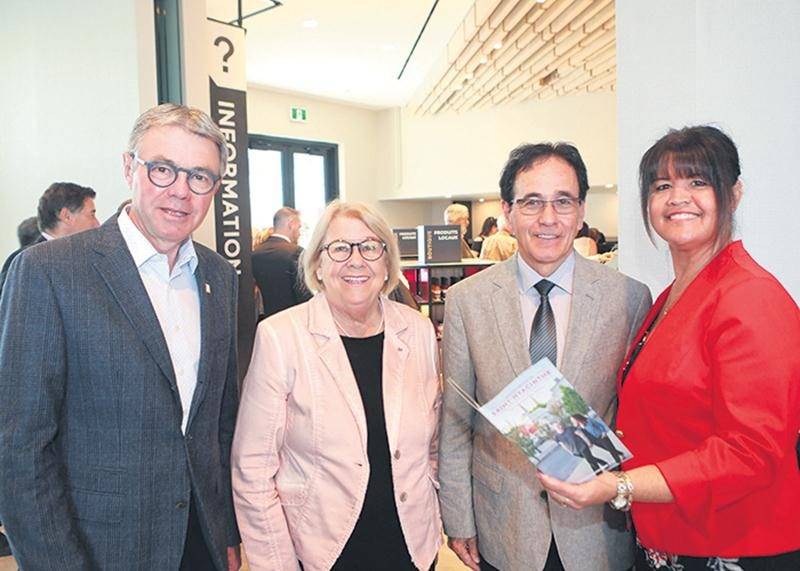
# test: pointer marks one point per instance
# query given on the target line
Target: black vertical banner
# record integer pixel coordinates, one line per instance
(232, 202)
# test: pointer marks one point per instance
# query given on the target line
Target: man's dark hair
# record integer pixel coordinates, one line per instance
(61, 195)
(525, 156)
(28, 231)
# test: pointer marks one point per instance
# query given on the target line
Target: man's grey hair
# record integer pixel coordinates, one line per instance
(502, 223)
(284, 215)
(454, 213)
(192, 119)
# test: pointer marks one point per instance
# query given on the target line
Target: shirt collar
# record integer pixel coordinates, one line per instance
(527, 277)
(281, 236)
(143, 251)
(48, 236)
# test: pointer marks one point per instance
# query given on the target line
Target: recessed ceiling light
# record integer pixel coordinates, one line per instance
(481, 200)
(469, 75)
(310, 24)
(484, 59)
(540, 1)
(497, 45)
(609, 186)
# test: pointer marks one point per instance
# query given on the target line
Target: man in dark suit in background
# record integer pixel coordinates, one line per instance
(275, 264)
(65, 208)
(118, 374)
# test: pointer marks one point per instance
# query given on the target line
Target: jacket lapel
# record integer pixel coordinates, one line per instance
(395, 358)
(508, 316)
(332, 353)
(582, 319)
(116, 267)
(212, 312)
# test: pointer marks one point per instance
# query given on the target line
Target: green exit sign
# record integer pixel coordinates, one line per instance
(299, 114)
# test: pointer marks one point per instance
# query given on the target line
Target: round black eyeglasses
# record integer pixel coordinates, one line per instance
(162, 174)
(341, 250)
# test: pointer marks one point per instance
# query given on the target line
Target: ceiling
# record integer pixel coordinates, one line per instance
(473, 53)
(355, 52)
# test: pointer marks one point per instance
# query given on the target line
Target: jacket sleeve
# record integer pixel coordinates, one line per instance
(260, 431)
(229, 408)
(35, 506)
(754, 366)
(432, 353)
(455, 445)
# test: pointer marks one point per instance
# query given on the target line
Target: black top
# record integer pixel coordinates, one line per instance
(377, 540)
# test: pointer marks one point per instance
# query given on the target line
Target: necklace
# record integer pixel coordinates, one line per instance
(369, 332)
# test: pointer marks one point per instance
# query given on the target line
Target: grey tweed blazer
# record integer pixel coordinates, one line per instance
(95, 472)
(488, 487)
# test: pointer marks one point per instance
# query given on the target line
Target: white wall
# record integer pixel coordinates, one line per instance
(77, 74)
(733, 64)
(463, 154)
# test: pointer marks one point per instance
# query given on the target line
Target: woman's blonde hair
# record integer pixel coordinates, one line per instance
(310, 260)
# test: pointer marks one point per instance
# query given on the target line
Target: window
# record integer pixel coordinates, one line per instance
(290, 172)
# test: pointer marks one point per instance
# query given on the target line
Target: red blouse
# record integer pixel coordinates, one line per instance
(713, 400)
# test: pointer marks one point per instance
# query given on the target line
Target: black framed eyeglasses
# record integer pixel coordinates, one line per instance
(164, 173)
(341, 250)
(533, 205)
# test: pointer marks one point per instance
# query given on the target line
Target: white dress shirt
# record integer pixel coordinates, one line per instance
(281, 236)
(560, 298)
(176, 301)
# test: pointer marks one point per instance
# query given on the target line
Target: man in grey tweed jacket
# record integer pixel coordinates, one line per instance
(494, 510)
(118, 377)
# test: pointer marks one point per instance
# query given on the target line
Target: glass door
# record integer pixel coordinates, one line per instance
(290, 172)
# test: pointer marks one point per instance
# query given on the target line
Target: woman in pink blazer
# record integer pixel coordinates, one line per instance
(335, 453)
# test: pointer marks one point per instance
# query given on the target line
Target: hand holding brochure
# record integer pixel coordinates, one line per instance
(543, 414)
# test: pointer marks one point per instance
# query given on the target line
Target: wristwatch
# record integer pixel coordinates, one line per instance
(624, 498)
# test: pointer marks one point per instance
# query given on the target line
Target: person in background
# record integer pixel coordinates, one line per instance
(118, 377)
(710, 391)
(275, 264)
(459, 214)
(501, 245)
(489, 227)
(65, 208)
(28, 232)
(584, 244)
(543, 302)
(335, 454)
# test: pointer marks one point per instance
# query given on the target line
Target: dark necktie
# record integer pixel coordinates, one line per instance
(543, 330)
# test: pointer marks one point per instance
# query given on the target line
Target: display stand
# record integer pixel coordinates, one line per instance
(429, 283)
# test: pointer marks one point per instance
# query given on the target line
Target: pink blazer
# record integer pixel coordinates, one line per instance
(299, 460)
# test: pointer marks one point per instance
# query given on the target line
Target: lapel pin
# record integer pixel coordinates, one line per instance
(208, 288)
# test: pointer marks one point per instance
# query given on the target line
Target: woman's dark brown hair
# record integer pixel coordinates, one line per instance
(703, 151)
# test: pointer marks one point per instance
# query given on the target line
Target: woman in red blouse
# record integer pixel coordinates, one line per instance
(710, 393)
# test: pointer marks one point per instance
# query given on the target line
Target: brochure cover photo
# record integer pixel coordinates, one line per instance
(543, 414)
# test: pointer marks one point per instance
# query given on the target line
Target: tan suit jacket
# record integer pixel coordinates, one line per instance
(488, 486)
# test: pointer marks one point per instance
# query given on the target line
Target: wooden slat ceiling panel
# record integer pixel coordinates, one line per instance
(508, 51)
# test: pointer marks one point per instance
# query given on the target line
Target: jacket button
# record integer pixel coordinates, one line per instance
(397, 455)
(619, 433)
(403, 497)
(180, 505)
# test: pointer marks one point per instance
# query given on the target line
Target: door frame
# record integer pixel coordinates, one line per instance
(286, 146)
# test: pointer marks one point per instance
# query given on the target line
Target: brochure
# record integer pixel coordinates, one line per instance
(543, 414)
